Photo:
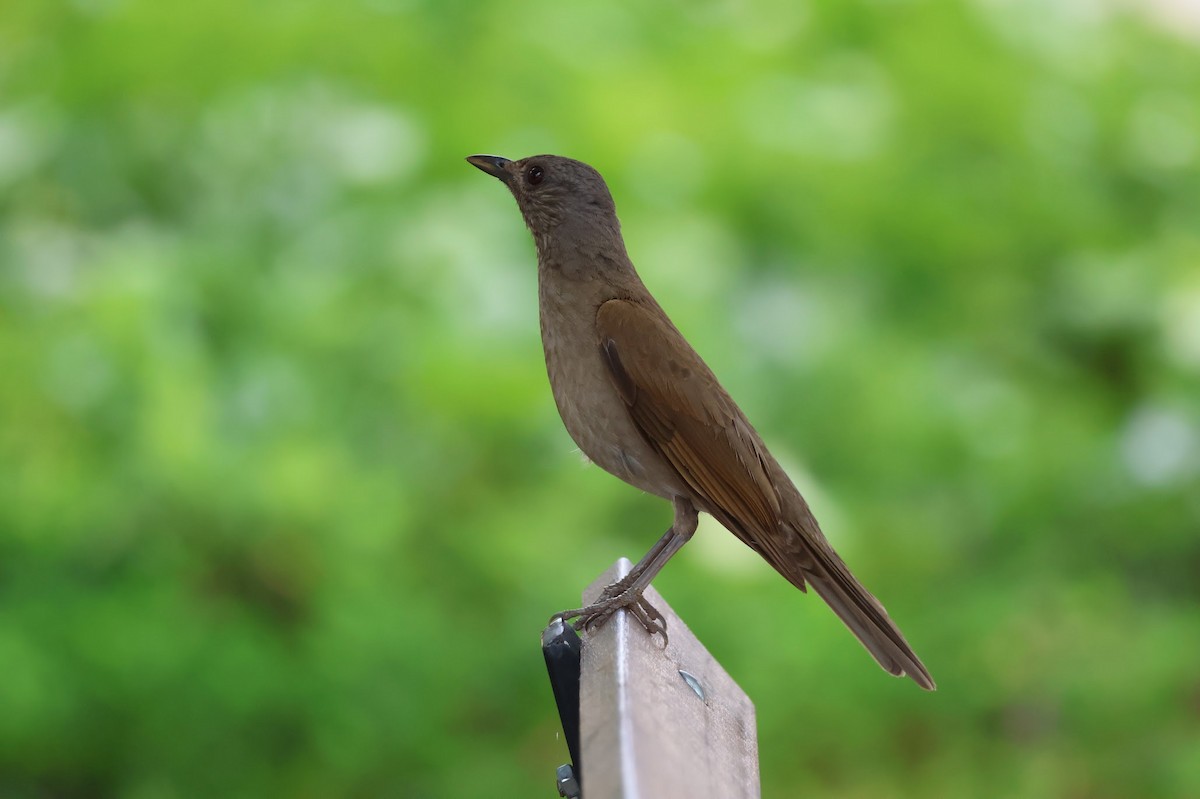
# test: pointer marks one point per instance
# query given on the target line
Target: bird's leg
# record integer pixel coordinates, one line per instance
(627, 592)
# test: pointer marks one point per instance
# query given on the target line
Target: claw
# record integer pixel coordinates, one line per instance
(651, 620)
(611, 599)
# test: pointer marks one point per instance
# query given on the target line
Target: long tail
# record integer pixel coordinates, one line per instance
(861, 612)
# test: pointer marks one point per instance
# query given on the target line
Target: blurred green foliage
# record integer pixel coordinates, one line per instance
(284, 502)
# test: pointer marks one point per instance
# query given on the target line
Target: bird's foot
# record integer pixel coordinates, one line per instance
(616, 597)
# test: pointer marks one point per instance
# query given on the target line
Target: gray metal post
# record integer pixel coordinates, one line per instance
(661, 722)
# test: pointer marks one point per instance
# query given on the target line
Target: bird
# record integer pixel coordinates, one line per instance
(644, 406)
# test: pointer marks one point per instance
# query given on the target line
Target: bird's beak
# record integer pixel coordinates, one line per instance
(494, 165)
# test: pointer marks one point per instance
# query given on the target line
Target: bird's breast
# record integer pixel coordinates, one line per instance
(592, 410)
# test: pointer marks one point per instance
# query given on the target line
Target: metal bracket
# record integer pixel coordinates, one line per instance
(562, 648)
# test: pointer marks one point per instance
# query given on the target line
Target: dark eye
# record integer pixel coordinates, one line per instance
(534, 175)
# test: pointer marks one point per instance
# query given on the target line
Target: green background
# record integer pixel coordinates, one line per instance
(284, 500)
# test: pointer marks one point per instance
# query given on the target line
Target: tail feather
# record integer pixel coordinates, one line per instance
(798, 550)
(864, 615)
(873, 629)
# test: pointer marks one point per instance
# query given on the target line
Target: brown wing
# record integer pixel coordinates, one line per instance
(687, 417)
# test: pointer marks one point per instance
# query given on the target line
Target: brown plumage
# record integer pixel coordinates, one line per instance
(642, 405)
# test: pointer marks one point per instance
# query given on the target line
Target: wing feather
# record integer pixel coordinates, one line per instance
(685, 415)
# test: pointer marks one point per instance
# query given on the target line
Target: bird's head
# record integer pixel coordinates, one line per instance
(551, 190)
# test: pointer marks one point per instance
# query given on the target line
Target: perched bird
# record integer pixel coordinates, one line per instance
(643, 406)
